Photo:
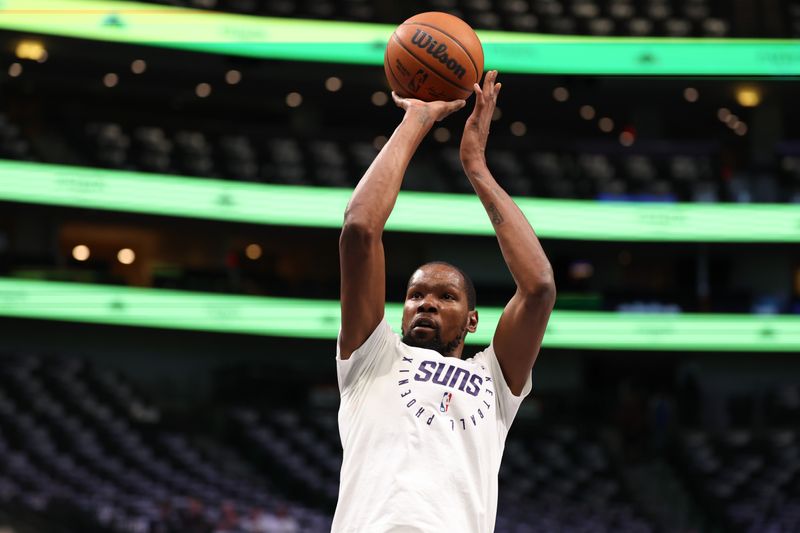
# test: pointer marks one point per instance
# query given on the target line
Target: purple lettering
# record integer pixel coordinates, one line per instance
(487, 405)
(403, 382)
(480, 413)
(463, 374)
(407, 359)
(443, 380)
(421, 410)
(412, 402)
(473, 420)
(406, 393)
(474, 385)
(430, 420)
(424, 374)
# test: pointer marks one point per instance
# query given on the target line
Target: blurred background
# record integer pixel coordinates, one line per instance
(169, 211)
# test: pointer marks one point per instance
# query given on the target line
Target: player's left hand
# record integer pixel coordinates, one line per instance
(476, 130)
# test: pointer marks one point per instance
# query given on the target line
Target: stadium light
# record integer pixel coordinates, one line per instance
(418, 212)
(362, 43)
(748, 96)
(319, 319)
(33, 50)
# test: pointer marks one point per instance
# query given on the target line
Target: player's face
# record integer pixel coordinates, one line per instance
(436, 314)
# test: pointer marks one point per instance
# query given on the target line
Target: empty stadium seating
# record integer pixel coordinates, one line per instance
(639, 18)
(562, 480)
(750, 480)
(655, 171)
(74, 436)
(699, 18)
(356, 10)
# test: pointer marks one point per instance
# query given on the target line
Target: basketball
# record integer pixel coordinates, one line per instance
(433, 56)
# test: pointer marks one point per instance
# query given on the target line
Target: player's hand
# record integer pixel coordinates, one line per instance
(476, 130)
(436, 110)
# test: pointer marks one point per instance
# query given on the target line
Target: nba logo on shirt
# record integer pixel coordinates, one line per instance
(445, 405)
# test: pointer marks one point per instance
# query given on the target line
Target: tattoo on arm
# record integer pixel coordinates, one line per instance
(494, 214)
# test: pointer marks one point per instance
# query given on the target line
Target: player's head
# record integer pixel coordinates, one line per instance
(439, 308)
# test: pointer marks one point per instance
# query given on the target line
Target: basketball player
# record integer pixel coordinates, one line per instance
(423, 431)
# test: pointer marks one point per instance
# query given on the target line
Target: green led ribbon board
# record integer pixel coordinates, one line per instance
(360, 43)
(314, 319)
(461, 214)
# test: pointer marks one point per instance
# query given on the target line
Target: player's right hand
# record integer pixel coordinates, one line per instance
(437, 110)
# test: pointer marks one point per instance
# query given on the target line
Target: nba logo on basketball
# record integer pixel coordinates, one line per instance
(445, 405)
(416, 82)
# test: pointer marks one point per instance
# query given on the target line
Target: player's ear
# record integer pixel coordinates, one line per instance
(472, 321)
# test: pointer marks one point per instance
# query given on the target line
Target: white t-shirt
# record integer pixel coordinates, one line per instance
(423, 436)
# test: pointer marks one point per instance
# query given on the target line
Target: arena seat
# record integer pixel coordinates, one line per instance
(72, 435)
(751, 481)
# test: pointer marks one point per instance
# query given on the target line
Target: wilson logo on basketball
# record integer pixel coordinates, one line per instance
(438, 51)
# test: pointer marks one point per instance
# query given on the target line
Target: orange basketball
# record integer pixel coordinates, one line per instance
(433, 56)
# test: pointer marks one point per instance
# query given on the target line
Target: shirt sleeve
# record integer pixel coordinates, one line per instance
(365, 360)
(507, 402)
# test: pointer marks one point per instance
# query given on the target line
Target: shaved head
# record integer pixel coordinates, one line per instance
(469, 287)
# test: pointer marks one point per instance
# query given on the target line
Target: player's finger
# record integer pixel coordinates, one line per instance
(455, 105)
(488, 81)
(478, 94)
(397, 100)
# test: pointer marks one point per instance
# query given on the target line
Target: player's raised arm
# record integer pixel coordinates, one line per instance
(521, 328)
(363, 275)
